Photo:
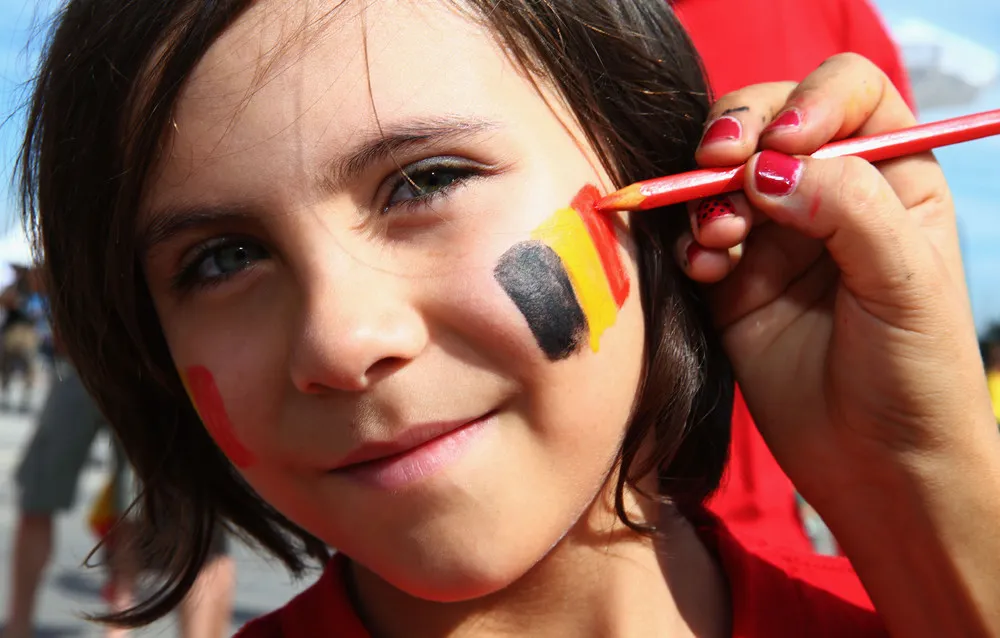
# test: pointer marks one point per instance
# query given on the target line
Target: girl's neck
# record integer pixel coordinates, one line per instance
(602, 579)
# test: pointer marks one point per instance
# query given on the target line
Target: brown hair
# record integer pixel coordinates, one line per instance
(108, 81)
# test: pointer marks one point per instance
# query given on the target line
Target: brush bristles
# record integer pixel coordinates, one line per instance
(628, 198)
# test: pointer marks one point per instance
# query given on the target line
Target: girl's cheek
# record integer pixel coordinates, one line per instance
(568, 280)
(207, 400)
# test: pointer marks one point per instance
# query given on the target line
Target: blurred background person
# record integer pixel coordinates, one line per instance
(206, 611)
(19, 336)
(47, 478)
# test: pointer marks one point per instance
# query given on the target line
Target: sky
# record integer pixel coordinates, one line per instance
(973, 169)
(19, 23)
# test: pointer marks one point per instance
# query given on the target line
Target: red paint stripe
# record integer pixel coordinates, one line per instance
(212, 410)
(602, 232)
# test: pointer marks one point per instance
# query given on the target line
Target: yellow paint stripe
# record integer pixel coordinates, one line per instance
(566, 234)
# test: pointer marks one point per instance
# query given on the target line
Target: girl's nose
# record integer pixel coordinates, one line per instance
(355, 330)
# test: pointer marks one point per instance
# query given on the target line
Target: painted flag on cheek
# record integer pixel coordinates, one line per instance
(568, 280)
(200, 386)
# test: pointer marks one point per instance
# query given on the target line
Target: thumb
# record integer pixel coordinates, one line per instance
(879, 249)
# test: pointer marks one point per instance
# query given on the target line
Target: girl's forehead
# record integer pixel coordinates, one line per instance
(349, 64)
(289, 86)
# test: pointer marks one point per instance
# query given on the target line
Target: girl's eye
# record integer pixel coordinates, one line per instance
(427, 179)
(224, 259)
(230, 258)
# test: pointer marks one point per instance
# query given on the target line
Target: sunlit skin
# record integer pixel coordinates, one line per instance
(351, 312)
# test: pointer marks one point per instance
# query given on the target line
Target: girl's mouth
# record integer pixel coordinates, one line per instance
(421, 451)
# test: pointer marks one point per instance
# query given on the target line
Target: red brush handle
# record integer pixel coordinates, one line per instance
(664, 191)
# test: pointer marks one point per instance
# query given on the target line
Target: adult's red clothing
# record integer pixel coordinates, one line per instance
(775, 593)
(745, 42)
(748, 42)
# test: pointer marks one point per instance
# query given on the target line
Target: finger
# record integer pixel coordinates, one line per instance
(735, 122)
(921, 187)
(775, 259)
(706, 265)
(720, 222)
(883, 258)
(846, 95)
(809, 292)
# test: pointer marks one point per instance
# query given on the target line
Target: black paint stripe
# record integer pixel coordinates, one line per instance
(533, 277)
(738, 109)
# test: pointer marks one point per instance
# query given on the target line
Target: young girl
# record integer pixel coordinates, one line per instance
(334, 272)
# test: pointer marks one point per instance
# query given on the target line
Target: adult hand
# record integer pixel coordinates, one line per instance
(840, 295)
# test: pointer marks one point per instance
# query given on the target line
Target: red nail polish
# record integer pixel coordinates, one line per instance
(724, 128)
(690, 252)
(713, 208)
(777, 174)
(786, 120)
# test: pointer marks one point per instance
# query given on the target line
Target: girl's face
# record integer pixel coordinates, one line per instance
(432, 373)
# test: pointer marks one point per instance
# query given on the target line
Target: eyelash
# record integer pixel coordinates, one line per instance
(464, 170)
(188, 278)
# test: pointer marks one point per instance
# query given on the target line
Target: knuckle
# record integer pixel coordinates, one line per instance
(859, 184)
(851, 59)
(774, 91)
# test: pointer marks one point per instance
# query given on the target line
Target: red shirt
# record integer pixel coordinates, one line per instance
(746, 42)
(775, 593)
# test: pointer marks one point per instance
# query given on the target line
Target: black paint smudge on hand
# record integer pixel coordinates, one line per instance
(534, 278)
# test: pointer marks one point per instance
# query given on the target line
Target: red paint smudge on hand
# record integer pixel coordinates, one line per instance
(208, 402)
(817, 200)
(602, 232)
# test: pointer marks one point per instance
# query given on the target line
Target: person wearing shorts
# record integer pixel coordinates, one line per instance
(47, 477)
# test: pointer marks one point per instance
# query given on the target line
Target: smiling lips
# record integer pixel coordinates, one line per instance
(420, 452)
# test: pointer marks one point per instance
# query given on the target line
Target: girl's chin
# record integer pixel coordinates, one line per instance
(444, 581)
(452, 590)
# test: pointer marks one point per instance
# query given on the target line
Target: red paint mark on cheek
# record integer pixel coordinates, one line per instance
(208, 402)
(602, 232)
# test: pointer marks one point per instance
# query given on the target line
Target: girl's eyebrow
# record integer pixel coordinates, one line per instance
(174, 220)
(397, 138)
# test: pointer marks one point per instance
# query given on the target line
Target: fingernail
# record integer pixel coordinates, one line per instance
(736, 253)
(690, 252)
(789, 119)
(713, 208)
(724, 128)
(777, 174)
(686, 249)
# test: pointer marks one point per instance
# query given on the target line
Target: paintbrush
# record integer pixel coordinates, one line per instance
(675, 189)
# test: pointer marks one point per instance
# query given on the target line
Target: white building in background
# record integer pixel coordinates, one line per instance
(946, 69)
(15, 250)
